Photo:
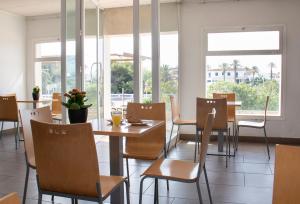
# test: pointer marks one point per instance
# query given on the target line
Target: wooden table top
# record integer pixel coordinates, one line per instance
(234, 103)
(103, 127)
(35, 101)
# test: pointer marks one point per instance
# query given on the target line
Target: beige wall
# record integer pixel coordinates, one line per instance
(196, 17)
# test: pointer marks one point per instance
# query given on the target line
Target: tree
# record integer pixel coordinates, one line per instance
(272, 65)
(235, 64)
(121, 77)
(224, 67)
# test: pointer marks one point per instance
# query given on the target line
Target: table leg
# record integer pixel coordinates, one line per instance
(34, 105)
(220, 141)
(116, 167)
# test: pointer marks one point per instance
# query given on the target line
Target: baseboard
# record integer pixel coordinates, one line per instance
(273, 140)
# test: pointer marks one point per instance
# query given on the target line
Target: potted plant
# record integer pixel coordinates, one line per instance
(77, 109)
(36, 93)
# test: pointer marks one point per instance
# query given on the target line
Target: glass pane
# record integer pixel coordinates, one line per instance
(146, 67)
(48, 77)
(51, 49)
(252, 78)
(91, 63)
(71, 45)
(121, 62)
(168, 68)
(230, 41)
(145, 53)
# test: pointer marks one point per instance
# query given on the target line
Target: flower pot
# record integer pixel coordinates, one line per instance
(78, 116)
(36, 96)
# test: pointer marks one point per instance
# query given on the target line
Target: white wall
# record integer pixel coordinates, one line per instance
(12, 55)
(196, 17)
(39, 29)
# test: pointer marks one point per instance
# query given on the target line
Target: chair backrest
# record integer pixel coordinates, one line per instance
(156, 139)
(11, 198)
(266, 109)
(205, 140)
(286, 176)
(8, 108)
(206, 106)
(56, 103)
(66, 158)
(39, 114)
(174, 109)
(230, 97)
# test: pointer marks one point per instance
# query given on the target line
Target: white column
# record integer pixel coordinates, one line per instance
(136, 52)
(155, 16)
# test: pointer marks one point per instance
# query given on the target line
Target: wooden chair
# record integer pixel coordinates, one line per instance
(56, 106)
(286, 176)
(176, 120)
(9, 113)
(182, 171)
(11, 198)
(205, 106)
(152, 145)
(231, 114)
(257, 125)
(73, 171)
(39, 114)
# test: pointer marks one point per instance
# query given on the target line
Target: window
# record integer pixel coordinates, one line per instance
(47, 67)
(216, 74)
(253, 61)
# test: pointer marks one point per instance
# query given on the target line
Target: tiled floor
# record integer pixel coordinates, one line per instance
(248, 178)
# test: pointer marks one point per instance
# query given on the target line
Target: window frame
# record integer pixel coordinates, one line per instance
(43, 59)
(281, 51)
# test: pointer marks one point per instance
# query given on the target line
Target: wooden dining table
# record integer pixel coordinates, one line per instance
(116, 135)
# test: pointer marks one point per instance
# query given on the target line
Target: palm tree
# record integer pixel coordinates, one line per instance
(272, 65)
(235, 64)
(224, 66)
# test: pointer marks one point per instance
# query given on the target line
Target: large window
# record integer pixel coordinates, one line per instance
(47, 67)
(248, 63)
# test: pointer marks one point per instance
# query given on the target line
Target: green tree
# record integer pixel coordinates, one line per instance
(224, 67)
(121, 77)
(235, 64)
(272, 65)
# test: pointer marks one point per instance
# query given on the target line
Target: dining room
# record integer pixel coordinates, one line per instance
(139, 101)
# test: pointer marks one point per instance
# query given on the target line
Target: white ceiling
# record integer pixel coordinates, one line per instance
(43, 7)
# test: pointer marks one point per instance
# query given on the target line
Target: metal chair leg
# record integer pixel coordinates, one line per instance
(207, 184)
(52, 198)
(40, 198)
(127, 191)
(237, 138)
(267, 142)
(168, 187)
(156, 196)
(141, 190)
(177, 136)
(199, 192)
(170, 138)
(226, 156)
(17, 134)
(1, 129)
(127, 169)
(196, 143)
(26, 184)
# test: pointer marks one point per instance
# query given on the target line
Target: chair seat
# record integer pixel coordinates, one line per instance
(109, 184)
(254, 124)
(184, 122)
(173, 169)
(143, 152)
(11, 198)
